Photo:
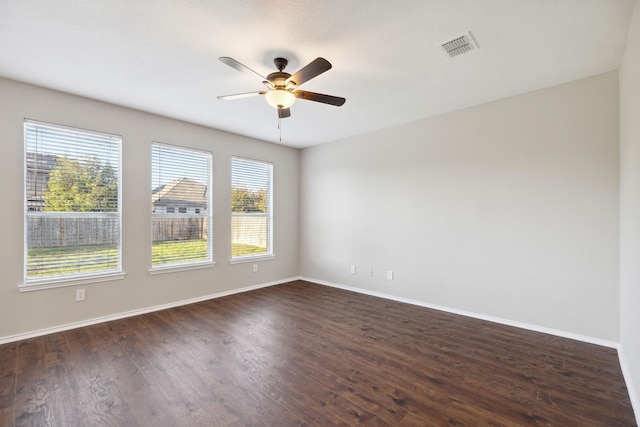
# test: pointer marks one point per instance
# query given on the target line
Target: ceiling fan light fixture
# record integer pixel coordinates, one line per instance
(280, 98)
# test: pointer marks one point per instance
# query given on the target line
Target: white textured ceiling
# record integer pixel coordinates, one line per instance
(162, 56)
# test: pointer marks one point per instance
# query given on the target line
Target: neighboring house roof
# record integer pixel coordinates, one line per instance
(39, 167)
(181, 191)
(40, 162)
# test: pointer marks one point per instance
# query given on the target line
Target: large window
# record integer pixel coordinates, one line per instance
(251, 210)
(181, 207)
(72, 205)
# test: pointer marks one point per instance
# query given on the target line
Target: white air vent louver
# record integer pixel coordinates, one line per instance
(459, 45)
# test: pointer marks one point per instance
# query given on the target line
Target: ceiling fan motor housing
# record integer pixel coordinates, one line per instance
(279, 79)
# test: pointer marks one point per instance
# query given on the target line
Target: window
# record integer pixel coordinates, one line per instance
(72, 205)
(180, 177)
(251, 211)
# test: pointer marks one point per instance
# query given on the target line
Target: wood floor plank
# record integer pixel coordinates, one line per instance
(62, 385)
(305, 354)
(96, 394)
(8, 373)
(32, 404)
(214, 414)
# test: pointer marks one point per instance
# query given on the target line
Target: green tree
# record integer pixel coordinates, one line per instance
(244, 200)
(81, 186)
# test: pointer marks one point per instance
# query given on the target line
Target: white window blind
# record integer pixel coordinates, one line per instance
(181, 206)
(251, 208)
(72, 203)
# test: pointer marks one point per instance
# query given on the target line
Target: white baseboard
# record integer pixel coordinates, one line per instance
(522, 325)
(93, 321)
(633, 394)
(68, 326)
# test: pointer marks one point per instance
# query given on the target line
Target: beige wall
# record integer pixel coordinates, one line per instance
(32, 311)
(630, 208)
(508, 209)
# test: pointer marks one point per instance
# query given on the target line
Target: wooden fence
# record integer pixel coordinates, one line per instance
(249, 229)
(56, 229)
(179, 227)
(59, 229)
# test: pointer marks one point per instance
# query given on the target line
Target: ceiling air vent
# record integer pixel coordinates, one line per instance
(459, 45)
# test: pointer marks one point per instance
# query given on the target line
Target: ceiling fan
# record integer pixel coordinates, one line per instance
(282, 86)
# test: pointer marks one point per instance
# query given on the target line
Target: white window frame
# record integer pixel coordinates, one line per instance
(268, 215)
(188, 265)
(80, 278)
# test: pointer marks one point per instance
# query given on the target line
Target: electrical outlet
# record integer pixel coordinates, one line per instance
(371, 272)
(80, 294)
(255, 268)
(389, 275)
(353, 269)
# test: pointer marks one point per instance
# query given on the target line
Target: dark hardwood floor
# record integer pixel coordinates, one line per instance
(305, 354)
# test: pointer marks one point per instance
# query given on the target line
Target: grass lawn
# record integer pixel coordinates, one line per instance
(170, 251)
(57, 261)
(45, 262)
(240, 249)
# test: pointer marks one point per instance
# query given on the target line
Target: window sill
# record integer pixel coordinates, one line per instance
(241, 260)
(69, 281)
(181, 267)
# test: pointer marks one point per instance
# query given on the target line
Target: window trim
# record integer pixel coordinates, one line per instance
(187, 265)
(270, 255)
(251, 258)
(60, 281)
(64, 281)
(181, 267)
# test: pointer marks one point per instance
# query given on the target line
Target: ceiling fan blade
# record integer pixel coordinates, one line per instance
(242, 68)
(320, 97)
(309, 71)
(283, 113)
(240, 95)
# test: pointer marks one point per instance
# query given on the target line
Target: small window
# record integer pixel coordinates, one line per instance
(251, 210)
(198, 211)
(182, 177)
(72, 213)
